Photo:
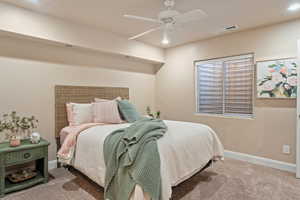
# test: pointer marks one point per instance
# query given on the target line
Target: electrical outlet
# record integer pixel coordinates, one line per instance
(286, 149)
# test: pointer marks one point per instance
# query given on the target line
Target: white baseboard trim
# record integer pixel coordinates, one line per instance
(52, 164)
(261, 161)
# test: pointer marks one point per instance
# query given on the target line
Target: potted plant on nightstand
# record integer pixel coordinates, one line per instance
(15, 127)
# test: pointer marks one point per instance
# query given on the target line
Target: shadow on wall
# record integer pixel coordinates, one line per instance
(30, 49)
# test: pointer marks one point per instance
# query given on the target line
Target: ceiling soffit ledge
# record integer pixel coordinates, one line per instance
(22, 22)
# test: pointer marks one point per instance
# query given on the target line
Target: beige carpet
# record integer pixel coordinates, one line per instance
(230, 180)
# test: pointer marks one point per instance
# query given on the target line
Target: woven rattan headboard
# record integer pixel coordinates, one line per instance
(81, 94)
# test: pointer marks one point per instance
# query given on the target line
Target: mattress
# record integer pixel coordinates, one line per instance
(184, 150)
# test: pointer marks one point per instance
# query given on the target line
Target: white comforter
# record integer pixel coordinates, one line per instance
(184, 150)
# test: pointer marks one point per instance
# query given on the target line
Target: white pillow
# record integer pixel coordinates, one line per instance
(102, 100)
(79, 113)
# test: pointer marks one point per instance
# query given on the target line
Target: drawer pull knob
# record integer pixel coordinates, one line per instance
(27, 155)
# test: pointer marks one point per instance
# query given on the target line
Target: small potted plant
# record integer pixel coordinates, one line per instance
(150, 114)
(15, 126)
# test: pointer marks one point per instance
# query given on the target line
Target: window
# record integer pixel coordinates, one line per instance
(225, 86)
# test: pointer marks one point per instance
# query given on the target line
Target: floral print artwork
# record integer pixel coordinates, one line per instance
(277, 79)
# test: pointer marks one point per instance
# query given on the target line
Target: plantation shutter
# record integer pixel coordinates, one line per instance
(238, 86)
(210, 88)
(225, 86)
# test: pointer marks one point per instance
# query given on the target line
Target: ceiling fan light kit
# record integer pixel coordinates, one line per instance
(168, 20)
(165, 41)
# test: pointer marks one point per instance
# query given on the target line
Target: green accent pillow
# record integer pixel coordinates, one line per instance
(128, 111)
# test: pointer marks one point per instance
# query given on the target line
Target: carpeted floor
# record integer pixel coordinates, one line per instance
(229, 180)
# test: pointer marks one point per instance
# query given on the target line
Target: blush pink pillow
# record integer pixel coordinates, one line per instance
(70, 114)
(106, 112)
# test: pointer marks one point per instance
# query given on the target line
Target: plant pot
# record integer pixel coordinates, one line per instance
(14, 142)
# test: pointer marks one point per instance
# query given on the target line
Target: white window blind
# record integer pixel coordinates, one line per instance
(225, 86)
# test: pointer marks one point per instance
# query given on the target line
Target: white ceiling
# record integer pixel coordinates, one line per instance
(108, 15)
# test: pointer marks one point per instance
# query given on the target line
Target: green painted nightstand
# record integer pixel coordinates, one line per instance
(25, 153)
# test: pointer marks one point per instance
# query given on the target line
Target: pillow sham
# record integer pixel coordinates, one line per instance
(70, 114)
(101, 100)
(79, 113)
(128, 111)
(106, 112)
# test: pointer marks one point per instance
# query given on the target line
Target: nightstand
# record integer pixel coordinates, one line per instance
(25, 153)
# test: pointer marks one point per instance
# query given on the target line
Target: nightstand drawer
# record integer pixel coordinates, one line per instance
(23, 156)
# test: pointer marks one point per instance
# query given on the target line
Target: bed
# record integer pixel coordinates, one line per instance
(185, 149)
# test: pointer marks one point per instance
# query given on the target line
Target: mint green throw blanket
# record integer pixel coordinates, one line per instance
(131, 157)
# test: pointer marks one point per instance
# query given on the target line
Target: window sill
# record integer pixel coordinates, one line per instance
(225, 116)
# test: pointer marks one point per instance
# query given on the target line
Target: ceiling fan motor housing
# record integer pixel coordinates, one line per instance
(168, 16)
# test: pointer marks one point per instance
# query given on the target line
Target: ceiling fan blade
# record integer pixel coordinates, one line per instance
(144, 33)
(191, 16)
(142, 18)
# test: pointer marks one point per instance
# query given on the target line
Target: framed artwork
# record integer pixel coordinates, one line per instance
(277, 78)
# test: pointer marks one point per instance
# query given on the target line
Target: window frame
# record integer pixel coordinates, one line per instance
(224, 59)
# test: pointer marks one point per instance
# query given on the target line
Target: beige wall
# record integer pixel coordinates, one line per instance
(275, 120)
(29, 71)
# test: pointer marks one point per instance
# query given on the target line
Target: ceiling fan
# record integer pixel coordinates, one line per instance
(168, 19)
